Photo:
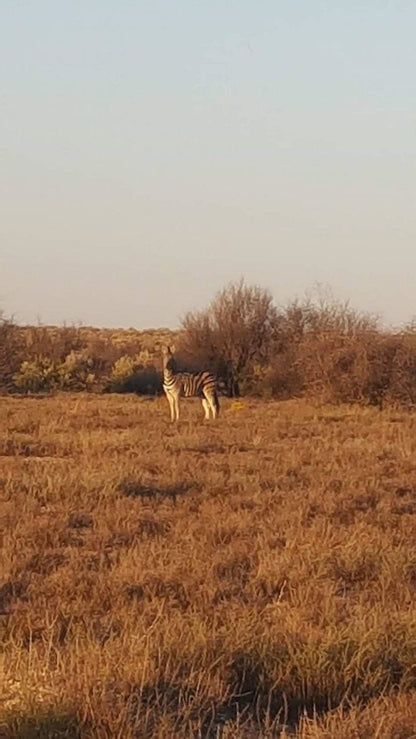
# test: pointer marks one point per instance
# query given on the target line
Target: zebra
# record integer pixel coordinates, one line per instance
(189, 384)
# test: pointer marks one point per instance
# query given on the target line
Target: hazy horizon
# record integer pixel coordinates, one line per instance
(152, 152)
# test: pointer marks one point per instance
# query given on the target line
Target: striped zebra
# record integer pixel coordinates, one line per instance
(189, 384)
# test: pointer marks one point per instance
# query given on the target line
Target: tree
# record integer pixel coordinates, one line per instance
(233, 334)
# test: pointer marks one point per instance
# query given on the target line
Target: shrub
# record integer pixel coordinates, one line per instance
(318, 346)
(122, 369)
(282, 377)
(327, 348)
(402, 386)
(322, 314)
(234, 334)
(54, 342)
(44, 374)
(11, 353)
(38, 375)
(134, 375)
(371, 368)
(74, 373)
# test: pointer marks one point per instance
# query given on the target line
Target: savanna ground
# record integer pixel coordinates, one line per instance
(253, 577)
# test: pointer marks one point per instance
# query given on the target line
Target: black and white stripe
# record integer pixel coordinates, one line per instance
(188, 384)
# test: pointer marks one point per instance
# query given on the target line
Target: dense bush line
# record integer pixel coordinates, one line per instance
(44, 359)
(316, 347)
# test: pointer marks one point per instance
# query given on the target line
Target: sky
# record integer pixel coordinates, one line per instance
(152, 151)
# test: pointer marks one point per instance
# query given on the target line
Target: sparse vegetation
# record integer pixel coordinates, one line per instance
(318, 347)
(254, 577)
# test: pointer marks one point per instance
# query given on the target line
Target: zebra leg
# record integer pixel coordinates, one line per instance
(175, 405)
(211, 404)
(171, 406)
(205, 406)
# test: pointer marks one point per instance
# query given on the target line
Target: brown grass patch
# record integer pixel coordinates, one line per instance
(249, 577)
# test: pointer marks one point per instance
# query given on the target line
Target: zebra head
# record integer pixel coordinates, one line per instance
(168, 360)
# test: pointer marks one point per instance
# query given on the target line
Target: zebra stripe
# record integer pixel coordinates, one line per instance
(188, 384)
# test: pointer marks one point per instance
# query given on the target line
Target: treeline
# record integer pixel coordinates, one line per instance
(317, 346)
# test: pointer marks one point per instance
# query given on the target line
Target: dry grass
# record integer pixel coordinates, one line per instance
(250, 578)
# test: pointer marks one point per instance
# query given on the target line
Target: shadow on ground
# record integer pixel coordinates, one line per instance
(42, 725)
(135, 489)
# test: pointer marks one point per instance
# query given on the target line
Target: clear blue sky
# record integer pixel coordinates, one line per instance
(153, 150)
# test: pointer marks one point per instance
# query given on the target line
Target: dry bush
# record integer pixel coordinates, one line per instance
(11, 352)
(252, 577)
(82, 358)
(322, 314)
(316, 350)
(341, 368)
(402, 386)
(371, 367)
(44, 374)
(326, 349)
(233, 334)
(53, 342)
(135, 375)
(317, 347)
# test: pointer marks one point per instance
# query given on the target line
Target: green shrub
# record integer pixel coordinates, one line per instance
(134, 375)
(44, 374)
(74, 373)
(38, 375)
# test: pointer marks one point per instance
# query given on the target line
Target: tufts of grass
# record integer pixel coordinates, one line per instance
(252, 577)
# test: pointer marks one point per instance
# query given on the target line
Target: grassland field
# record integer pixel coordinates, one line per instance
(249, 577)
